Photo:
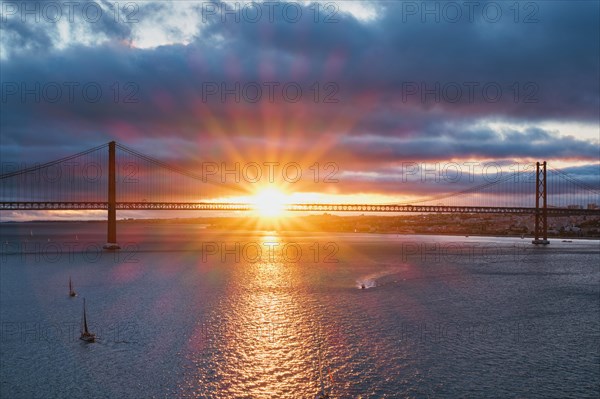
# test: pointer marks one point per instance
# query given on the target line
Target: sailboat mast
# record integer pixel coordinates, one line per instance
(321, 371)
(85, 326)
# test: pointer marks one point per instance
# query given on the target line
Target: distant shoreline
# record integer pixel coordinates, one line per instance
(187, 221)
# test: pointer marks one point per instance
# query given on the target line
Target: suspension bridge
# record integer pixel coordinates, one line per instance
(115, 177)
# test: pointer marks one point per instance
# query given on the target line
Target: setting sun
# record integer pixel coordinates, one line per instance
(270, 202)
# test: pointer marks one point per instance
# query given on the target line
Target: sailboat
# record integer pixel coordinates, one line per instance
(85, 334)
(71, 290)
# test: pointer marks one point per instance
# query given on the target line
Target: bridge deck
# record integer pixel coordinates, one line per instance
(212, 206)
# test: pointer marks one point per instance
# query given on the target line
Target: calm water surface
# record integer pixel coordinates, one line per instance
(183, 311)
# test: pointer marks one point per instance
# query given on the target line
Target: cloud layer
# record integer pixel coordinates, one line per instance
(381, 85)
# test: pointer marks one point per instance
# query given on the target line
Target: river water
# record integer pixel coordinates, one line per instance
(183, 311)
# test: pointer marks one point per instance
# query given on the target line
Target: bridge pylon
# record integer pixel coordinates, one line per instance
(111, 242)
(541, 210)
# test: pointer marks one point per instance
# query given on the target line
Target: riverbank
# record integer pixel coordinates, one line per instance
(404, 225)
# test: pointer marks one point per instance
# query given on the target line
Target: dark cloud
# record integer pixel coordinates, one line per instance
(460, 142)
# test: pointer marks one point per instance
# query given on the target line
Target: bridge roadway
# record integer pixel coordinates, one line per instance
(226, 206)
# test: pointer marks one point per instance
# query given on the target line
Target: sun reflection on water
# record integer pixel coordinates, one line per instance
(269, 350)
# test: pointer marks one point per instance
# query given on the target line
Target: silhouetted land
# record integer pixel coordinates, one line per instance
(450, 224)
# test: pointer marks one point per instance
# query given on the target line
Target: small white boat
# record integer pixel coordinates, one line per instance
(86, 335)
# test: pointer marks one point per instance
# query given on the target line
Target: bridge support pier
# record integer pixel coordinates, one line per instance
(111, 242)
(541, 213)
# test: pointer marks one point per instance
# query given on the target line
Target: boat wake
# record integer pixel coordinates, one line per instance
(377, 279)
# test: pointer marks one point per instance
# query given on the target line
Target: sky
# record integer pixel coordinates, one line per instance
(361, 88)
